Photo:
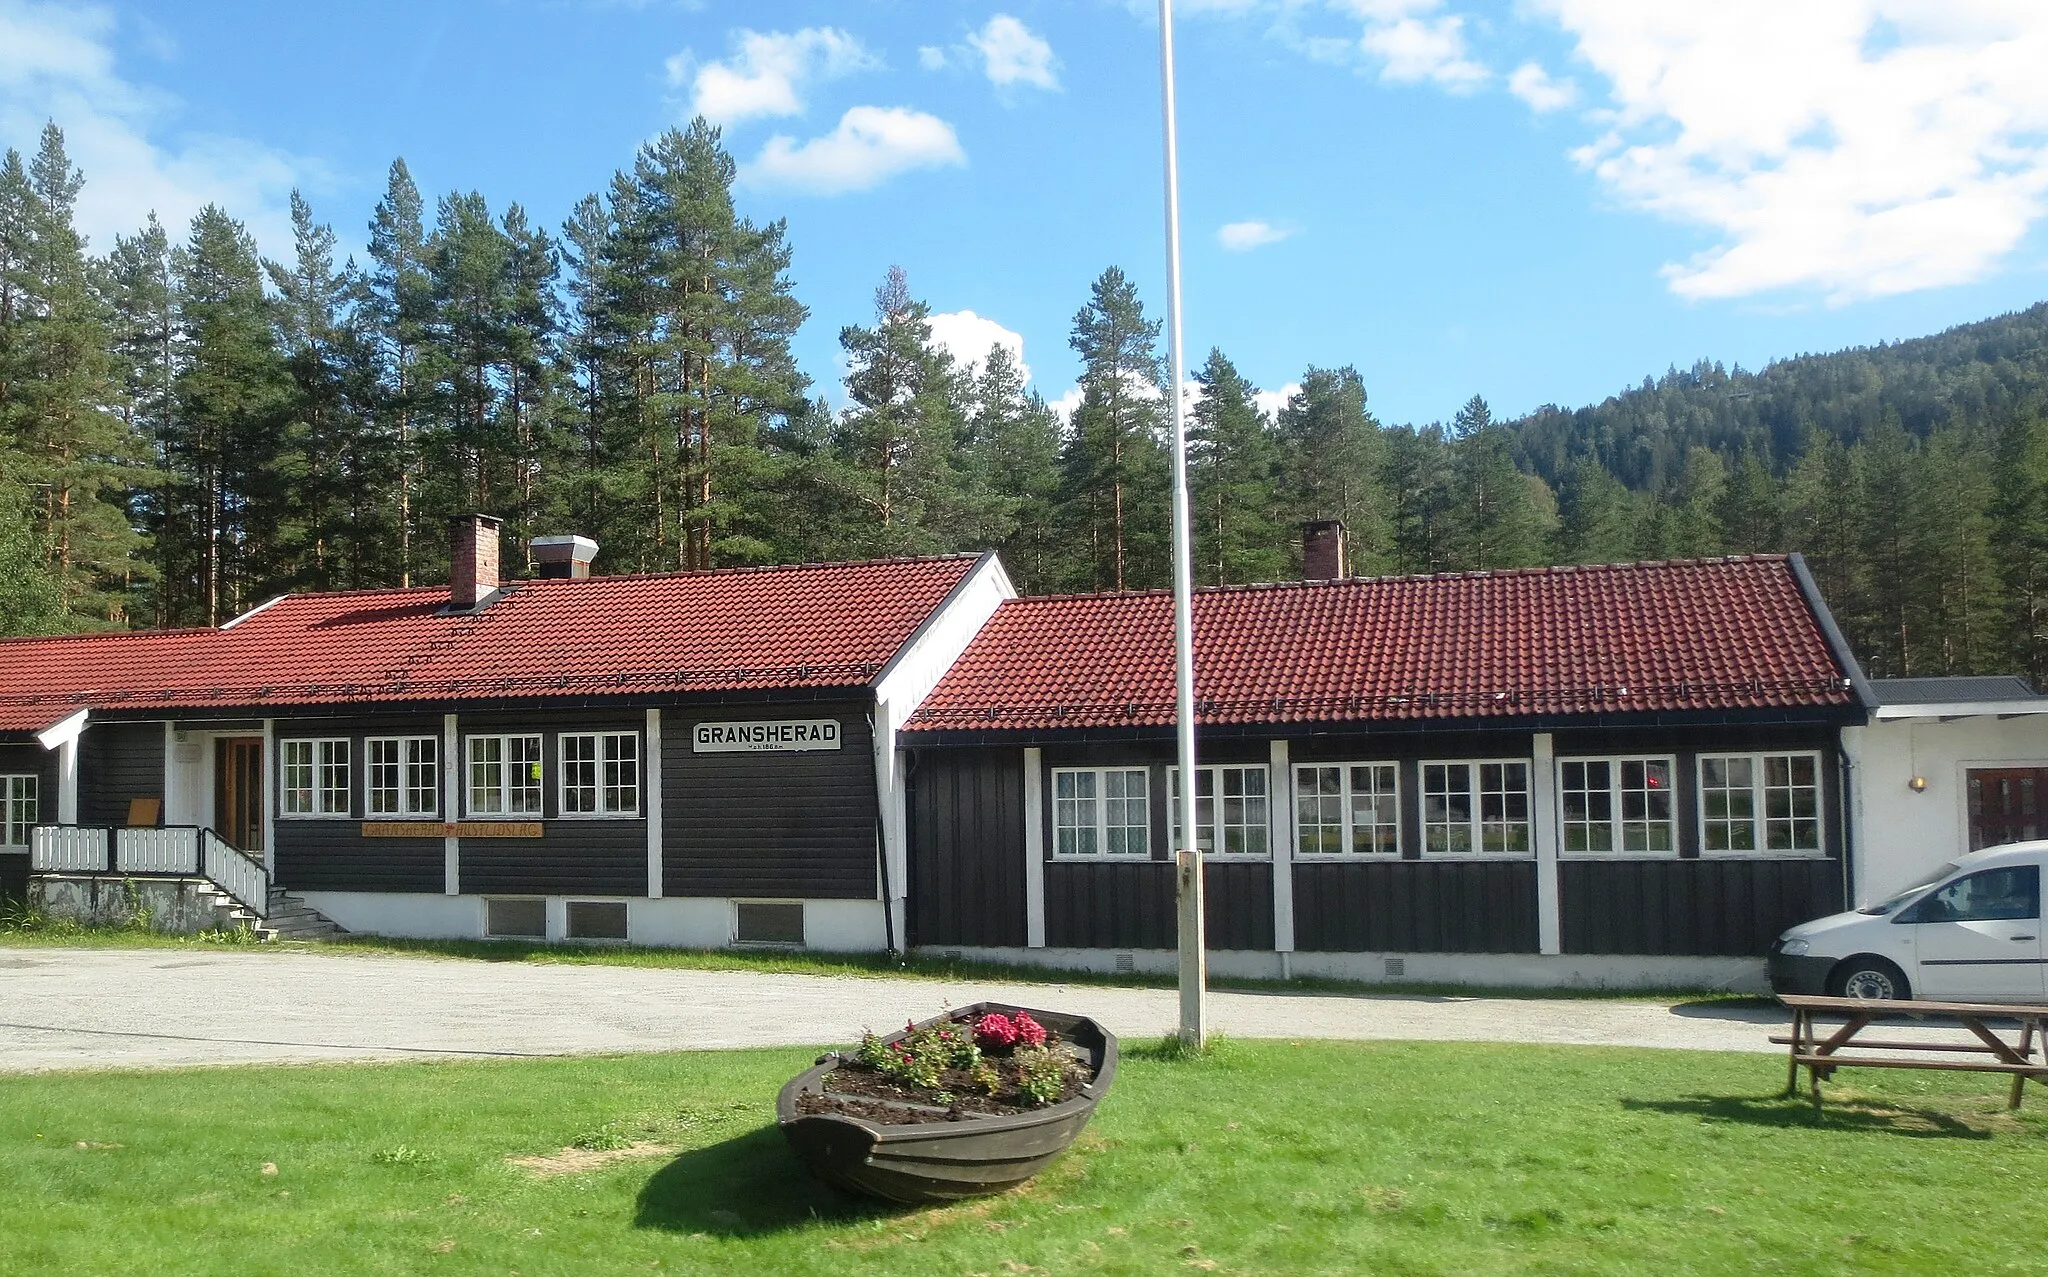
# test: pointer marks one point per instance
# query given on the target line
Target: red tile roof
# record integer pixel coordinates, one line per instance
(1712, 634)
(806, 626)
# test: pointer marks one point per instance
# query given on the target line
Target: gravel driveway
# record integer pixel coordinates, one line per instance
(141, 1008)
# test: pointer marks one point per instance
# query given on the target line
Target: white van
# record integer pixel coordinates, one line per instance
(1970, 931)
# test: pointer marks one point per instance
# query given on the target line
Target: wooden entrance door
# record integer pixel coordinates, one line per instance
(2006, 804)
(238, 790)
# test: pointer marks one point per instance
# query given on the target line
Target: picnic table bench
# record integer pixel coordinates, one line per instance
(1821, 1056)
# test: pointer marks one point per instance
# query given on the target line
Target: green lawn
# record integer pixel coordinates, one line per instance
(1263, 1158)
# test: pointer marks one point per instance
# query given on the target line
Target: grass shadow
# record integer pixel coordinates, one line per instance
(746, 1186)
(1848, 1113)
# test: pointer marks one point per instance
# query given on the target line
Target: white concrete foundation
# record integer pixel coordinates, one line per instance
(1482, 970)
(840, 926)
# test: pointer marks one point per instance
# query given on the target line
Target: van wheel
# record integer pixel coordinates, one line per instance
(1865, 976)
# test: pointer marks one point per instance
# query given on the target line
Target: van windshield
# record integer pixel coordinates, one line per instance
(1903, 894)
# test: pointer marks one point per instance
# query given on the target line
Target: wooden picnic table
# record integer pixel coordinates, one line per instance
(1823, 1055)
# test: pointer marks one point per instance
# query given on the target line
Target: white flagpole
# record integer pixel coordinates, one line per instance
(1194, 957)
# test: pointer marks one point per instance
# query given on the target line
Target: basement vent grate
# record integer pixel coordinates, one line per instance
(768, 923)
(516, 919)
(1126, 963)
(1397, 967)
(597, 920)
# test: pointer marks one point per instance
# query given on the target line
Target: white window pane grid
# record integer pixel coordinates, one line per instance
(1761, 804)
(315, 779)
(1347, 807)
(21, 794)
(298, 778)
(504, 776)
(1101, 812)
(1237, 825)
(403, 776)
(601, 774)
(1609, 806)
(1475, 808)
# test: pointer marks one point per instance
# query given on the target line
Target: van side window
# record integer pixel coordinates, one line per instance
(1995, 895)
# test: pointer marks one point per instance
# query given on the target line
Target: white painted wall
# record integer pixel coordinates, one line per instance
(844, 926)
(412, 915)
(840, 926)
(1899, 834)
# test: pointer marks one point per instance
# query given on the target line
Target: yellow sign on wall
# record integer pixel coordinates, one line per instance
(453, 829)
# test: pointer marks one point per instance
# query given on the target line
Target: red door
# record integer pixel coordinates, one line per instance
(2006, 804)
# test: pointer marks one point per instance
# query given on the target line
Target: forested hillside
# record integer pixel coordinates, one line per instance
(187, 428)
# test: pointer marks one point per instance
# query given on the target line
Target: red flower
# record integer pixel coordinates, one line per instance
(998, 1032)
(1029, 1031)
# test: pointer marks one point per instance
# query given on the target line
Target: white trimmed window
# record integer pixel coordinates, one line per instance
(1475, 808)
(1759, 804)
(1101, 812)
(404, 777)
(20, 794)
(1347, 809)
(1231, 810)
(316, 781)
(1616, 806)
(504, 776)
(601, 774)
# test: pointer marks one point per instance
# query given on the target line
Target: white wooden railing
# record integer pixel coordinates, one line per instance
(183, 850)
(67, 849)
(174, 850)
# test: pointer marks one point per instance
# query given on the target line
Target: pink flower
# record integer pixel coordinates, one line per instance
(998, 1032)
(1029, 1031)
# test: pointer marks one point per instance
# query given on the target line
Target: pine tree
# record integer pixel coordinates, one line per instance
(1333, 458)
(1964, 597)
(1418, 476)
(401, 300)
(1014, 451)
(141, 293)
(1693, 529)
(1598, 517)
(1115, 494)
(1498, 520)
(1751, 514)
(2020, 523)
(235, 399)
(1233, 464)
(1821, 520)
(65, 437)
(1893, 544)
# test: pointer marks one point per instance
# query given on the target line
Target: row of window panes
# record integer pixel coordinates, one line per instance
(1606, 806)
(21, 796)
(600, 775)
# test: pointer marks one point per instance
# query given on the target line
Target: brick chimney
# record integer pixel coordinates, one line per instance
(1323, 550)
(472, 560)
(563, 558)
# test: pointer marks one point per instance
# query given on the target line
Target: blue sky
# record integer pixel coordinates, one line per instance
(1538, 201)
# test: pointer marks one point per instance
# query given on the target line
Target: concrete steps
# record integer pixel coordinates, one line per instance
(289, 918)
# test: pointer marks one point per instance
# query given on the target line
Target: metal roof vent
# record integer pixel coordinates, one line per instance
(563, 558)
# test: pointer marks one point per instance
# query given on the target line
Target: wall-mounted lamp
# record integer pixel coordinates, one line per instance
(1918, 784)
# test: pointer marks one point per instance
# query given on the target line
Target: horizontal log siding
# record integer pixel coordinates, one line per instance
(574, 857)
(769, 824)
(967, 847)
(1130, 905)
(1707, 908)
(332, 855)
(13, 878)
(1416, 906)
(117, 762)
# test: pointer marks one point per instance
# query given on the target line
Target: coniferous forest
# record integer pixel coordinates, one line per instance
(188, 428)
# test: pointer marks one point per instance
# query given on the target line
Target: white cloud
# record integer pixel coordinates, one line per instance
(1856, 148)
(1533, 85)
(931, 57)
(1012, 54)
(1271, 402)
(968, 337)
(1065, 406)
(1243, 237)
(768, 72)
(57, 63)
(1414, 48)
(871, 145)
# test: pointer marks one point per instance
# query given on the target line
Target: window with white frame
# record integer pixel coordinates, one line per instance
(601, 774)
(1347, 809)
(1475, 808)
(1616, 806)
(1760, 803)
(1101, 812)
(403, 776)
(21, 795)
(504, 776)
(1231, 816)
(316, 780)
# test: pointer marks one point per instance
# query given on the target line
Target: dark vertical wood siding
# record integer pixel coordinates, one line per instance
(769, 824)
(1706, 908)
(13, 878)
(332, 855)
(967, 847)
(1416, 906)
(1110, 904)
(117, 762)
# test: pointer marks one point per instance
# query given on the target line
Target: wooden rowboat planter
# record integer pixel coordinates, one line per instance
(930, 1158)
